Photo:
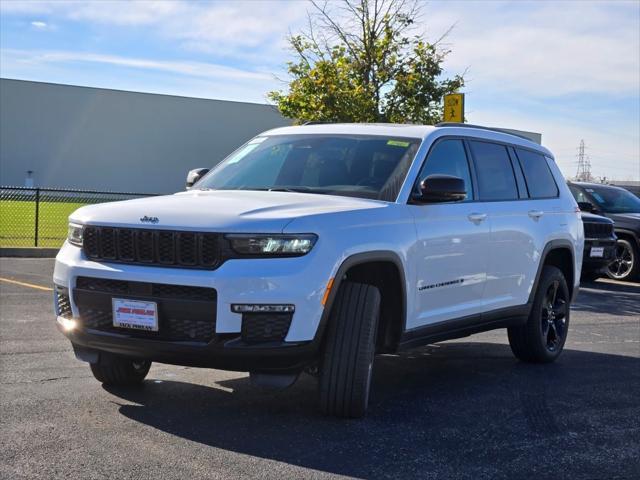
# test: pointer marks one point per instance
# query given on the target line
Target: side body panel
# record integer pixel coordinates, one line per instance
(518, 237)
(514, 246)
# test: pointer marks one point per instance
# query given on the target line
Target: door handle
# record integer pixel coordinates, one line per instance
(535, 214)
(477, 217)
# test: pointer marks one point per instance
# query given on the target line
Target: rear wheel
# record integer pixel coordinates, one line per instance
(542, 338)
(347, 363)
(626, 263)
(120, 371)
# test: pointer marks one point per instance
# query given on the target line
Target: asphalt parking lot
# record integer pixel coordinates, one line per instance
(461, 409)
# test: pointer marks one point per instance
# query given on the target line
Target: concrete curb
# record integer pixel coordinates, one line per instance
(28, 252)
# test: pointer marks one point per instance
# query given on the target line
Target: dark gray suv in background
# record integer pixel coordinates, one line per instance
(600, 243)
(623, 208)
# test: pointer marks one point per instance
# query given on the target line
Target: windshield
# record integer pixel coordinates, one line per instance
(350, 165)
(614, 200)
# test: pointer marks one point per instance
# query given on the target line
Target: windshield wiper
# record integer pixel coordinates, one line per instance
(272, 189)
(289, 189)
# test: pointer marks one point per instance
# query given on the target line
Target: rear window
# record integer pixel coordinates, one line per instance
(496, 180)
(540, 181)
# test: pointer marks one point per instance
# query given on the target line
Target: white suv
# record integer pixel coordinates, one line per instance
(312, 248)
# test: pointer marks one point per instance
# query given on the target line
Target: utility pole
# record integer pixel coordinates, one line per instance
(584, 165)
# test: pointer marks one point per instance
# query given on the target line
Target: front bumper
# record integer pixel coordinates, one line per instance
(300, 281)
(597, 263)
(225, 352)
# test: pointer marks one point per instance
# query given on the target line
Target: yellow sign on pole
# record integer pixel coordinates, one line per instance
(454, 107)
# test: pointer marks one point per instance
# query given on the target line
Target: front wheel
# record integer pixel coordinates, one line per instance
(542, 338)
(347, 362)
(626, 263)
(120, 371)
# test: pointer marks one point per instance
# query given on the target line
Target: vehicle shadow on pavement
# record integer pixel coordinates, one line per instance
(456, 409)
(614, 298)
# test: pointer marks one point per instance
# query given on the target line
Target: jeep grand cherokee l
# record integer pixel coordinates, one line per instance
(316, 247)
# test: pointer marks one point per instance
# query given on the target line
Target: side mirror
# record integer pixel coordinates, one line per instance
(586, 207)
(194, 175)
(441, 188)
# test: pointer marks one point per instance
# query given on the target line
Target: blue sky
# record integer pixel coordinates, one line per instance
(570, 70)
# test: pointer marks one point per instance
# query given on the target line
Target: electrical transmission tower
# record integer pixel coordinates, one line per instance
(584, 165)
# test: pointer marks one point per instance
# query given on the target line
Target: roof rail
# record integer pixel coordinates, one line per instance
(480, 127)
(315, 122)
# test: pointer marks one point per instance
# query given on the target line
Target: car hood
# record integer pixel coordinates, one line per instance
(626, 221)
(626, 216)
(219, 210)
(591, 218)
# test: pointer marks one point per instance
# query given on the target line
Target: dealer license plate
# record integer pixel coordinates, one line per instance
(135, 314)
(597, 252)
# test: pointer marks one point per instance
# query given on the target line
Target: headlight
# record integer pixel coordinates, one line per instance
(273, 245)
(74, 235)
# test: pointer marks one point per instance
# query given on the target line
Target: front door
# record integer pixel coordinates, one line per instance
(452, 242)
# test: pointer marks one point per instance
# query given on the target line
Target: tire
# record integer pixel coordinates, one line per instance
(626, 265)
(542, 338)
(347, 362)
(120, 371)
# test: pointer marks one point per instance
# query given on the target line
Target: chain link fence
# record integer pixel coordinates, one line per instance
(38, 217)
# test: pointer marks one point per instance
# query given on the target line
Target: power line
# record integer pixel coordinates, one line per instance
(584, 165)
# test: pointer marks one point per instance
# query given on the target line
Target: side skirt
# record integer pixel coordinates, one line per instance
(465, 326)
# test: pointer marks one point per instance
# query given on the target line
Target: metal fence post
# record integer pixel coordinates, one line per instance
(35, 236)
(18, 205)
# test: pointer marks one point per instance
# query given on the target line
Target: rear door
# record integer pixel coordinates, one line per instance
(546, 215)
(512, 248)
(452, 241)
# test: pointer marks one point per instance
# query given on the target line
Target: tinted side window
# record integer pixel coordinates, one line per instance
(448, 157)
(537, 174)
(493, 169)
(579, 195)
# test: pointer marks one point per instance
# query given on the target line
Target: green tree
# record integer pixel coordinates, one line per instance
(358, 61)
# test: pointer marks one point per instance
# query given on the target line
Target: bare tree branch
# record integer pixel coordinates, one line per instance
(322, 10)
(363, 60)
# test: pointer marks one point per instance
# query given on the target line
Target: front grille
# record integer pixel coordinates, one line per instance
(152, 247)
(103, 285)
(598, 230)
(63, 304)
(171, 329)
(159, 290)
(265, 327)
(185, 313)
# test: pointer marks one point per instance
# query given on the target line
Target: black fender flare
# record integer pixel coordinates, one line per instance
(348, 263)
(628, 233)
(548, 248)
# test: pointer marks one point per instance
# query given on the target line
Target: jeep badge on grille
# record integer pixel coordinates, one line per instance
(146, 219)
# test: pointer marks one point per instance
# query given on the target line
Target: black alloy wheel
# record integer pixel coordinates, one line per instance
(542, 338)
(623, 265)
(554, 314)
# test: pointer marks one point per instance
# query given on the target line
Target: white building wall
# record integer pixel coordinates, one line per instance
(91, 138)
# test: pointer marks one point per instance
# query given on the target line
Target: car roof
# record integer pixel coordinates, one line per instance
(409, 131)
(591, 184)
(386, 129)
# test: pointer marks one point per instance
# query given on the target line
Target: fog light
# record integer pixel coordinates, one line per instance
(67, 324)
(262, 308)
